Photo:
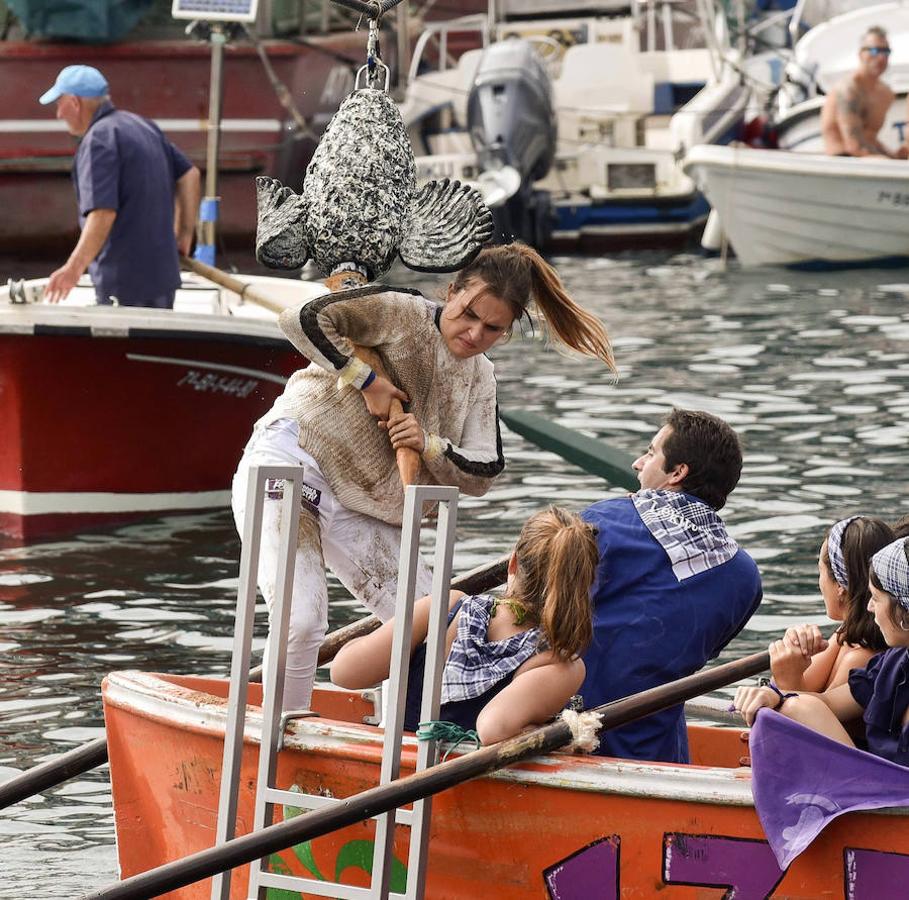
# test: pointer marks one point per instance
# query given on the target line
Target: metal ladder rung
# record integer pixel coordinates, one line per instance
(316, 801)
(300, 801)
(311, 886)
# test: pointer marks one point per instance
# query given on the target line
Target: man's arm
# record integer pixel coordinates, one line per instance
(186, 207)
(850, 119)
(97, 227)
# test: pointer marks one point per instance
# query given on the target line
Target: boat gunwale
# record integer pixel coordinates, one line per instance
(153, 696)
(789, 162)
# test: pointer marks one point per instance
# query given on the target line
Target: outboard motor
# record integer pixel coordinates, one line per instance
(512, 126)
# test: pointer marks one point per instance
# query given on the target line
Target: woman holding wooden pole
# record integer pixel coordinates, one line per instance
(334, 419)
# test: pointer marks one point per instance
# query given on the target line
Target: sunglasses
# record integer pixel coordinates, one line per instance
(877, 51)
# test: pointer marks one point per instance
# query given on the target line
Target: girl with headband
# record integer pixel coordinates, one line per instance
(877, 694)
(802, 660)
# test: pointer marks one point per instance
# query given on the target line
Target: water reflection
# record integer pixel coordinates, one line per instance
(811, 369)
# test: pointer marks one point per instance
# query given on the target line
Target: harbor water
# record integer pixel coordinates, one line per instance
(811, 368)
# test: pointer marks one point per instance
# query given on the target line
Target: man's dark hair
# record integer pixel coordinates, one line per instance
(711, 450)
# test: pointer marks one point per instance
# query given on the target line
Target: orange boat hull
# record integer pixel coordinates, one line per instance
(561, 827)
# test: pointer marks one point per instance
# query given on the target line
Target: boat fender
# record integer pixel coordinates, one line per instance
(584, 727)
(712, 238)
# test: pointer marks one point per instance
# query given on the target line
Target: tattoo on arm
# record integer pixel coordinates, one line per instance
(851, 115)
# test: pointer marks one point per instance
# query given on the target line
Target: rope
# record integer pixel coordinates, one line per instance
(584, 727)
(448, 732)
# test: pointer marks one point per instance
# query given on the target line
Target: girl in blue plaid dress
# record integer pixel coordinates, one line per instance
(513, 661)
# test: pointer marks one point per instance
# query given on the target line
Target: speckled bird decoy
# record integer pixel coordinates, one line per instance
(360, 204)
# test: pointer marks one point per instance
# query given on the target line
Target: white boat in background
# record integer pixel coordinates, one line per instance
(799, 209)
(614, 178)
(116, 413)
(826, 55)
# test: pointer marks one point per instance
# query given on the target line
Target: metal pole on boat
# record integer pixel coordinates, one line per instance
(208, 212)
(403, 28)
(382, 799)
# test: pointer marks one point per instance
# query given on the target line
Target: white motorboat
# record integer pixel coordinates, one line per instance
(615, 80)
(797, 209)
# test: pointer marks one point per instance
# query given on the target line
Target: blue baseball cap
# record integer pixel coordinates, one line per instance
(81, 81)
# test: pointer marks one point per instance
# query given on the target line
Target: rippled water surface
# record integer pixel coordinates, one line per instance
(812, 369)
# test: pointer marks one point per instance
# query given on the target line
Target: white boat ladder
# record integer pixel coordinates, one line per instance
(274, 722)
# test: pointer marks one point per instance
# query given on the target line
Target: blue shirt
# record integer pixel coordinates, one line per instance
(125, 163)
(650, 628)
(882, 688)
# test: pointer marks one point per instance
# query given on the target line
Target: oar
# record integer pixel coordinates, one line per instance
(53, 772)
(88, 756)
(381, 799)
(588, 453)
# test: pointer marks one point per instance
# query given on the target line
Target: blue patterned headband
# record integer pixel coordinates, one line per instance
(892, 569)
(835, 551)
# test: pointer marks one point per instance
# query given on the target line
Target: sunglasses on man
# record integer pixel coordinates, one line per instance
(877, 51)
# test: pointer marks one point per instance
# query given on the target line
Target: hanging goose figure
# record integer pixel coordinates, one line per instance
(360, 205)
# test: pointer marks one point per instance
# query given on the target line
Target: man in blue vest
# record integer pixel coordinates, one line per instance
(672, 588)
(138, 196)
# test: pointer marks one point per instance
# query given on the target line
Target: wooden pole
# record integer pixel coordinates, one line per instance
(423, 784)
(53, 772)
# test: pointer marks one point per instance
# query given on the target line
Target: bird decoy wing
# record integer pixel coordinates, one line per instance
(279, 231)
(447, 227)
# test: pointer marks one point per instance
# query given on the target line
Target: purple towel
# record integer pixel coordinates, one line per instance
(802, 781)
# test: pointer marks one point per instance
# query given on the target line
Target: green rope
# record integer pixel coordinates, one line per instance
(449, 732)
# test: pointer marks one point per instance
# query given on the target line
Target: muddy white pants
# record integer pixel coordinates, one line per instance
(361, 551)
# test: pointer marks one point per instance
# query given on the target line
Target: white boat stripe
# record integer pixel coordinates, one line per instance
(217, 367)
(33, 503)
(244, 125)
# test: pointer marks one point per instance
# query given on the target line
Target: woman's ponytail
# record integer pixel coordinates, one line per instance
(557, 560)
(519, 275)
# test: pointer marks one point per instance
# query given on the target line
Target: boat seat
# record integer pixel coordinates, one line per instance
(204, 301)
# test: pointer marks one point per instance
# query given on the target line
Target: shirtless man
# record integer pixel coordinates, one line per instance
(855, 109)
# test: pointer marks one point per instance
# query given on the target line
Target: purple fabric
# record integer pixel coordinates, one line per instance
(802, 781)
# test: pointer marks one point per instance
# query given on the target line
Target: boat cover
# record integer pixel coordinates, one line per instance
(91, 21)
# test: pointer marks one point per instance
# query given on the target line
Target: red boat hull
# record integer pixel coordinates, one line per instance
(103, 426)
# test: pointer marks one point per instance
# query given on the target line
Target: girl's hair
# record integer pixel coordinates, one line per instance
(557, 560)
(862, 538)
(901, 527)
(898, 615)
(518, 274)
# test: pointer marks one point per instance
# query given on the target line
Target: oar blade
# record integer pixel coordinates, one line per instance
(587, 453)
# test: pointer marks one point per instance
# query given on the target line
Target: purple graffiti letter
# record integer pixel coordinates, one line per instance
(746, 867)
(589, 874)
(874, 874)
